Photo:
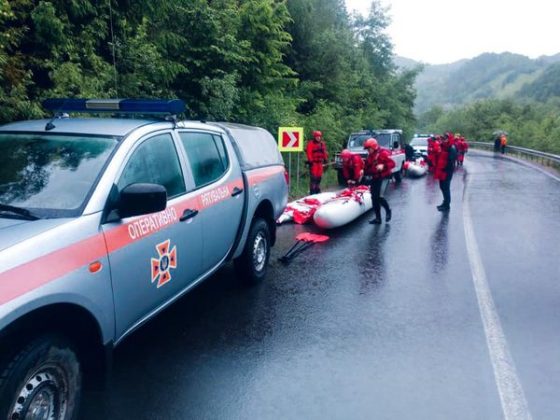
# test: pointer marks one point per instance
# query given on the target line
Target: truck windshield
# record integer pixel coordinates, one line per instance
(51, 175)
(419, 141)
(357, 140)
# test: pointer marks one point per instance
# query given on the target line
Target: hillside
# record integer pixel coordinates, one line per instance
(489, 75)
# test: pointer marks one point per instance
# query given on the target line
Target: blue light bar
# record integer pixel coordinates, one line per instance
(132, 106)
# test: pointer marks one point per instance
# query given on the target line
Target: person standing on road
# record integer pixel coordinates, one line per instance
(462, 148)
(445, 163)
(434, 147)
(497, 144)
(503, 143)
(317, 155)
(378, 168)
(352, 167)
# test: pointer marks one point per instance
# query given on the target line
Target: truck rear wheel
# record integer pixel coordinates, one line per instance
(252, 264)
(42, 381)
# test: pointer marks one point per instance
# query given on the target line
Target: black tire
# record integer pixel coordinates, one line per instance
(252, 264)
(45, 373)
(340, 178)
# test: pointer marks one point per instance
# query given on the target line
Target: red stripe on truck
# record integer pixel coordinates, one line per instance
(260, 175)
(40, 271)
(33, 274)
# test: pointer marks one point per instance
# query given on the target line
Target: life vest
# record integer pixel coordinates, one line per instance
(442, 160)
(381, 158)
(316, 151)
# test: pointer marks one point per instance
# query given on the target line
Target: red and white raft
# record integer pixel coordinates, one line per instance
(301, 211)
(347, 206)
(417, 168)
(329, 210)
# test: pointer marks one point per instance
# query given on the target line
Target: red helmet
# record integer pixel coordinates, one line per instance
(345, 154)
(371, 143)
(317, 133)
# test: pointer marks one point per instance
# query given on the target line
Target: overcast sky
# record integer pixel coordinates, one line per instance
(443, 31)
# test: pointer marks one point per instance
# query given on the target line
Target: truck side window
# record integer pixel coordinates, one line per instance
(155, 161)
(207, 156)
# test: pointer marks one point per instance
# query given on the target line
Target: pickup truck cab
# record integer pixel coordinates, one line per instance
(104, 222)
(389, 139)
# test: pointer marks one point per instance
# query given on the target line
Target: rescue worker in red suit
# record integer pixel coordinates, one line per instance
(352, 167)
(503, 143)
(377, 172)
(433, 150)
(462, 148)
(445, 164)
(316, 151)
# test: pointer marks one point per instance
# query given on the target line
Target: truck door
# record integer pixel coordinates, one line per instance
(153, 257)
(218, 181)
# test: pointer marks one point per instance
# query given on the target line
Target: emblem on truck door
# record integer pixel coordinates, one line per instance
(161, 266)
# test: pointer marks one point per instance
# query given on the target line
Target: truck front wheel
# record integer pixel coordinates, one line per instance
(42, 381)
(252, 264)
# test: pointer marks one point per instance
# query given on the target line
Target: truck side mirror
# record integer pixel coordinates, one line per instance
(137, 199)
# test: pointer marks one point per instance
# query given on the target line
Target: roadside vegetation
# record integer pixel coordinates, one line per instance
(493, 92)
(262, 62)
(528, 123)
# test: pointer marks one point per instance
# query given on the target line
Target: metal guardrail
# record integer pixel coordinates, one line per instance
(545, 158)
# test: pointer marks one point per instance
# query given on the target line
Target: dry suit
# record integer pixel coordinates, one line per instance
(316, 152)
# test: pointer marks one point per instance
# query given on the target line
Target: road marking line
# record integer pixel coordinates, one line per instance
(512, 397)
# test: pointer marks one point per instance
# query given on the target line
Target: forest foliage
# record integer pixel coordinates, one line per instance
(262, 62)
(528, 123)
(487, 76)
(494, 92)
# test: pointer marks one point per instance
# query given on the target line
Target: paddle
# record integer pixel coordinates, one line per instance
(304, 241)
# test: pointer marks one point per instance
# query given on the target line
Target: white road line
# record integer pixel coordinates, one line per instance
(512, 397)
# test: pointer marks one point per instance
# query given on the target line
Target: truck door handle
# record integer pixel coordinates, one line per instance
(236, 191)
(188, 214)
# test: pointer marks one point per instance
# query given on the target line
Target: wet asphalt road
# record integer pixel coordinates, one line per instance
(380, 322)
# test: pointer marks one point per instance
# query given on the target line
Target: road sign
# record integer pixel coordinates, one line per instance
(290, 139)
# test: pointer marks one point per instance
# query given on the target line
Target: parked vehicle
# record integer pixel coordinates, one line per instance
(389, 139)
(420, 145)
(104, 222)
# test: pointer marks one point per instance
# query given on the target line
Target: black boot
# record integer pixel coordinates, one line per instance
(388, 215)
(377, 220)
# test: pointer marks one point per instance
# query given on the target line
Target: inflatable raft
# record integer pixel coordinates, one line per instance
(347, 206)
(301, 211)
(417, 168)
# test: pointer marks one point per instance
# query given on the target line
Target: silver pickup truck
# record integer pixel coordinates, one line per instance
(389, 139)
(106, 221)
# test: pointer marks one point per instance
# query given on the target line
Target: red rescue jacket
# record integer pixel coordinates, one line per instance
(381, 158)
(316, 151)
(445, 160)
(352, 168)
